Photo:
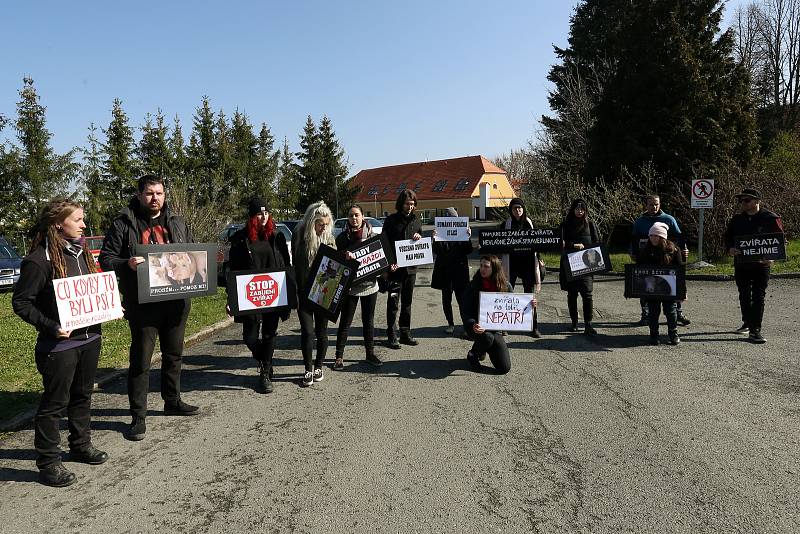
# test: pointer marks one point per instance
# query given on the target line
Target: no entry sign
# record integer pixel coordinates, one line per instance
(703, 193)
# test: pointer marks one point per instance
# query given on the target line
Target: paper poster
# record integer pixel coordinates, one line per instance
(451, 228)
(410, 253)
(506, 311)
(87, 300)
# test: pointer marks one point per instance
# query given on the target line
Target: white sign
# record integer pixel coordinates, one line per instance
(703, 193)
(506, 311)
(87, 300)
(410, 252)
(261, 291)
(451, 228)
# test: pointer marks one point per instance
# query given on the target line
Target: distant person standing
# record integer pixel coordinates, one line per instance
(66, 359)
(147, 220)
(400, 226)
(639, 237)
(752, 277)
(451, 272)
(577, 232)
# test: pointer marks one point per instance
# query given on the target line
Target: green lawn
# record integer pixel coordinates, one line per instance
(20, 382)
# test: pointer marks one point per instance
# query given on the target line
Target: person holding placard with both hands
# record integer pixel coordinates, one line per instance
(577, 232)
(451, 271)
(66, 359)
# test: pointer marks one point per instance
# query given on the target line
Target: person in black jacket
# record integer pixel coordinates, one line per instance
(258, 246)
(400, 226)
(66, 359)
(451, 272)
(578, 231)
(751, 277)
(148, 221)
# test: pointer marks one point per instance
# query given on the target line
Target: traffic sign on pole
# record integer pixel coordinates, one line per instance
(703, 193)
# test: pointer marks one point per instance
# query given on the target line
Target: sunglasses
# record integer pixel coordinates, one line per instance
(745, 200)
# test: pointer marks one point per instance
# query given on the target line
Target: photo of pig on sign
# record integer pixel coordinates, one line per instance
(87, 300)
(506, 311)
(410, 253)
(451, 228)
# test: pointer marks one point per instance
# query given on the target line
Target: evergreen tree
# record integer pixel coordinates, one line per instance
(288, 185)
(308, 167)
(119, 164)
(332, 169)
(95, 207)
(243, 161)
(153, 151)
(267, 163)
(226, 181)
(177, 152)
(202, 154)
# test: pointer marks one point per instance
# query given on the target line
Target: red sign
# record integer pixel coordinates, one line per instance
(262, 290)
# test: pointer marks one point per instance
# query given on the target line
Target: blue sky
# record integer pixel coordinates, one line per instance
(401, 81)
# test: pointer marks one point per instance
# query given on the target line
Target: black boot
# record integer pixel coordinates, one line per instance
(56, 475)
(264, 377)
(406, 339)
(589, 330)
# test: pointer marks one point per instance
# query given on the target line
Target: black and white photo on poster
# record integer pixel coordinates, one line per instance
(371, 258)
(176, 271)
(592, 259)
(658, 282)
(330, 278)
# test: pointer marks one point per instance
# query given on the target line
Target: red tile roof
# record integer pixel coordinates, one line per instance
(445, 178)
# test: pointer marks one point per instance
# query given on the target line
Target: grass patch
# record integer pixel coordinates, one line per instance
(20, 382)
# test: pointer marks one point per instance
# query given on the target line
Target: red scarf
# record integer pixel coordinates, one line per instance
(488, 285)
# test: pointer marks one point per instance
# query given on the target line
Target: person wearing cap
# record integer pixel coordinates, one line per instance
(752, 277)
(523, 264)
(147, 220)
(661, 251)
(451, 271)
(639, 237)
(259, 246)
(577, 232)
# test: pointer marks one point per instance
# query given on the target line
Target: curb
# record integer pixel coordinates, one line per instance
(23, 418)
(696, 277)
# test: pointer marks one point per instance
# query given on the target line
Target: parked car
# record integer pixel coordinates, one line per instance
(338, 225)
(10, 263)
(291, 224)
(95, 243)
(224, 246)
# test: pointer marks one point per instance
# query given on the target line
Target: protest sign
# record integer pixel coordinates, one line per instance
(761, 247)
(451, 228)
(506, 311)
(176, 271)
(252, 292)
(503, 241)
(591, 259)
(87, 300)
(330, 278)
(656, 282)
(410, 253)
(371, 258)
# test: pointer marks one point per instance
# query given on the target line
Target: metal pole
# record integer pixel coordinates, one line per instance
(700, 237)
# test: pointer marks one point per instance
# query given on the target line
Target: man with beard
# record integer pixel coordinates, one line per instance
(147, 221)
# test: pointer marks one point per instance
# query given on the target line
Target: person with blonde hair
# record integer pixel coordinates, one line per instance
(314, 230)
(66, 359)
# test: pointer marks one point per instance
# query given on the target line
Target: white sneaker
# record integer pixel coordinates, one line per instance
(449, 330)
(308, 379)
(318, 374)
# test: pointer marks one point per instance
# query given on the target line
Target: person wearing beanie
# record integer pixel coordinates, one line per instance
(751, 277)
(661, 251)
(639, 236)
(259, 246)
(577, 232)
(451, 272)
(523, 264)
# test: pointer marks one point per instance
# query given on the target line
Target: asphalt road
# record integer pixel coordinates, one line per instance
(591, 436)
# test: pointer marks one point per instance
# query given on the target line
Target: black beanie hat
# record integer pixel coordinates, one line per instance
(516, 202)
(256, 206)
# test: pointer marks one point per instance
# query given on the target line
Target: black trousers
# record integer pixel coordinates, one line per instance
(401, 301)
(447, 298)
(645, 312)
(495, 345)
(752, 280)
(68, 380)
(167, 320)
(367, 321)
(267, 326)
(670, 312)
(313, 325)
(584, 288)
(527, 284)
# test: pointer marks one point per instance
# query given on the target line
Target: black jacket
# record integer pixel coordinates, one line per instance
(399, 227)
(120, 243)
(471, 301)
(450, 268)
(35, 301)
(741, 224)
(588, 234)
(651, 255)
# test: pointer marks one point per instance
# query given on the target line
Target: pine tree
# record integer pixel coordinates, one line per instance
(267, 163)
(96, 195)
(243, 156)
(177, 152)
(333, 170)
(153, 151)
(202, 154)
(226, 184)
(308, 168)
(288, 185)
(119, 163)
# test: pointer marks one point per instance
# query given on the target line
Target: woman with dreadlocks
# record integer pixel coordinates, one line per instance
(66, 359)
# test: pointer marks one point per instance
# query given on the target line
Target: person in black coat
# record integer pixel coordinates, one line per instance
(66, 359)
(450, 272)
(577, 232)
(259, 246)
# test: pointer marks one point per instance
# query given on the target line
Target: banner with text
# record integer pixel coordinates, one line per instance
(451, 228)
(761, 247)
(538, 239)
(371, 258)
(410, 253)
(506, 311)
(252, 292)
(87, 300)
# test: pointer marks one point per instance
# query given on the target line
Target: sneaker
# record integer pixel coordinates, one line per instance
(673, 338)
(137, 429)
(406, 339)
(180, 408)
(308, 379)
(536, 333)
(374, 360)
(654, 339)
(757, 338)
(473, 360)
(89, 455)
(449, 330)
(589, 330)
(744, 329)
(393, 343)
(683, 320)
(318, 375)
(264, 378)
(56, 475)
(338, 364)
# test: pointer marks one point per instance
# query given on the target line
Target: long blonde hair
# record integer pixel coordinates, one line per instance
(55, 213)
(316, 212)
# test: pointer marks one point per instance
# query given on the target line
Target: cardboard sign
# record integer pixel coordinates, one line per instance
(592, 259)
(451, 228)
(176, 271)
(330, 278)
(506, 311)
(253, 292)
(503, 241)
(655, 282)
(761, 247)
(371, 258)
(87, 300)
(410, 253)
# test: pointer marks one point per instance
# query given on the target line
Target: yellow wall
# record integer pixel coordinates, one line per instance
(503, 191)
(462, 205)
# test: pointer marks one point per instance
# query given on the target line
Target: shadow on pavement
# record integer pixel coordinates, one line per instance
(8, 474)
